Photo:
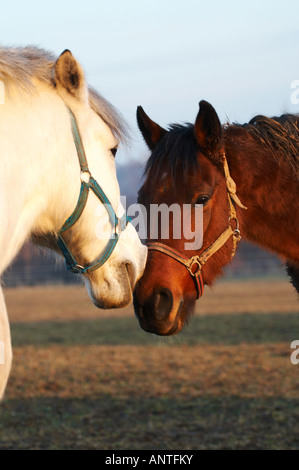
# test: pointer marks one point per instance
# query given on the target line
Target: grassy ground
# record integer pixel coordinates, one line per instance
(88, 379)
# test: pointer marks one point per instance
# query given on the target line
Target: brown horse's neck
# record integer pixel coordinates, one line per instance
(269, 190)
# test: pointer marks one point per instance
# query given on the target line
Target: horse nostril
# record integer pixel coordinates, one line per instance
(159, 305)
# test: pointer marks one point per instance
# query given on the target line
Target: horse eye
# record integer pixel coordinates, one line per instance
(113, 151)
(202, 200)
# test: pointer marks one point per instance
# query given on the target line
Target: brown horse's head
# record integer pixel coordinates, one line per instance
(185, 168)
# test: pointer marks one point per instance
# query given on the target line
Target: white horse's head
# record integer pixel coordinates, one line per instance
(111, 284)
(50, 178)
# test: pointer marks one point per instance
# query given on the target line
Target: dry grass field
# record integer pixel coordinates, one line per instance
(89, 379)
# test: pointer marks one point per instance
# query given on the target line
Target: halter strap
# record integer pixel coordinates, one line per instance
(231, 186)
(200, 260)
(189, 263)
(87, 183)
(78, 143)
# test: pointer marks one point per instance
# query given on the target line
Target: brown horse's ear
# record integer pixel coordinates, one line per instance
(208, 129)
(151, 131)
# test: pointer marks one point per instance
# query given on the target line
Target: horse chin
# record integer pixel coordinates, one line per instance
(110, 289)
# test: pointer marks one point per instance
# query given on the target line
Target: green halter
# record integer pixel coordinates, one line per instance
(121, 223)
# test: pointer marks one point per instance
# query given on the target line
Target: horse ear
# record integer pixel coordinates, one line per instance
(151, 131)
(208, 129)
(69, 76)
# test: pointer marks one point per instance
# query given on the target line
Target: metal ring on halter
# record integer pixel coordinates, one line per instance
(77, 269)
(82, 174)
(234, 218)
(237, 234)
(236, 231)
(194, 260)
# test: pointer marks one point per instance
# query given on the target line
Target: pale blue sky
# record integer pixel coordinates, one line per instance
(167, 55)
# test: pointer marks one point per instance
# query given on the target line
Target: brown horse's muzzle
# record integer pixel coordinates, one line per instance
(160, 312)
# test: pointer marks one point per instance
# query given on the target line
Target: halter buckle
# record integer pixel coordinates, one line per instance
(194, 261)
(237, 234)
(236, 231)
(76, 269)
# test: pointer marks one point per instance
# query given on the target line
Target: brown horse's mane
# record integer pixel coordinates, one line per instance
(280, 135)
(177, 151)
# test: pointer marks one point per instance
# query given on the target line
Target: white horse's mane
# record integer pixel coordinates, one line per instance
(23, 65)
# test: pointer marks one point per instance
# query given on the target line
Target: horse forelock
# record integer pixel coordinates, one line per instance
(22, 66)
(175, 154)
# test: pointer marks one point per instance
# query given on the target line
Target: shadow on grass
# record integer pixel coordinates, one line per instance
(112, 424)
(214, 329)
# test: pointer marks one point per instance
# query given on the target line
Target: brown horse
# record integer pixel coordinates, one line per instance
(204, 164)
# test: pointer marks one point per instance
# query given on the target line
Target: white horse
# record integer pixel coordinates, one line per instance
(47, 103)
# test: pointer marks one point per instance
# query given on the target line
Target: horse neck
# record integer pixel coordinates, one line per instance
(37, 172)
(267, 189)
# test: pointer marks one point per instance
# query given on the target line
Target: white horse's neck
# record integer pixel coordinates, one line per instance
(36, 171)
